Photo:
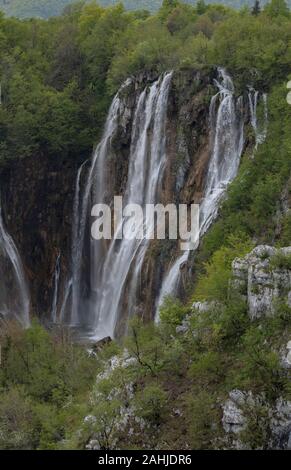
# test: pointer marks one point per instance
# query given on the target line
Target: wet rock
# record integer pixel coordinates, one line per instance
(101, 344)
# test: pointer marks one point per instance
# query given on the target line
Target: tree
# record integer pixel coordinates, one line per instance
(167, 7)
(150, 403)
(256, 8)
(277, 8)
(170, 4)
(15, 420)
(201, 7)
(203, 415)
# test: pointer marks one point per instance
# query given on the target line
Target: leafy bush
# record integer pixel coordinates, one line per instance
(150, 403)
(204, 421)
(281, 261)
(40, 375)
(214, 284)
(16, 414)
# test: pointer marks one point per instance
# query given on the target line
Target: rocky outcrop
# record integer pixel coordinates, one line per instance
(241, 405)
(263, 277)
(286, 356)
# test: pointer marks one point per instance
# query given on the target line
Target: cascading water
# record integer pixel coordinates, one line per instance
(56, 278)
(105, 275)
(226, 122)
(116, 266)
(260, 128)
(73, 301)
(14, 295)
(146, 164)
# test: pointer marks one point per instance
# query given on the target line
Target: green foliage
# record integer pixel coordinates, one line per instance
(277, 8)
(257, 431)
(285, 235)
(172, 312)
(281, 261)
(58, 76)
(206, 369)
(39, 375)
(47, 8)
(57, 79)
(213, 285)
(106, 413)
(234, 319)
(204, 420)
(256, 8)
(149, 346)
(150, 403)
(16, 431)
(201, 7)
(261, 366)
(255, 47)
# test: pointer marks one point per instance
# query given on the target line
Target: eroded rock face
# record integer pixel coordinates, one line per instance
(233, 419)
(260, 278)
(37, 196)
(38, 191)
(278, 418)
(286, 356)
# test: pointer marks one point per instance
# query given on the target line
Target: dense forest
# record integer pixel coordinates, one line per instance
(47, 8)
(57, 80)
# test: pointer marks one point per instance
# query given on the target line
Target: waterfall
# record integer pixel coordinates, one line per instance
(78, 233)
(80, 215)
(67, 293)
(56, 278)
(115, 266)
(14, 295)
(260, 128)
(226, 124)
(102, 290)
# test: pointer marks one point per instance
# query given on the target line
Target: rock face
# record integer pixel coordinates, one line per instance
(233, 420)
(37, 197)
(38, 191)
(278, 418)
(188, 152)
(263, 277)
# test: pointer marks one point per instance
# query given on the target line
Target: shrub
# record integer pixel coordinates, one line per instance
(203, 421)
(150, 403)
(214, 284)
(207, 368)
(16, 431)
(257, 431)
(281, 261)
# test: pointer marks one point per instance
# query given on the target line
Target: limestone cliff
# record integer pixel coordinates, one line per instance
(38, 191)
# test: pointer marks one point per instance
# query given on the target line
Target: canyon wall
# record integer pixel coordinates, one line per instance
(38, 192)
